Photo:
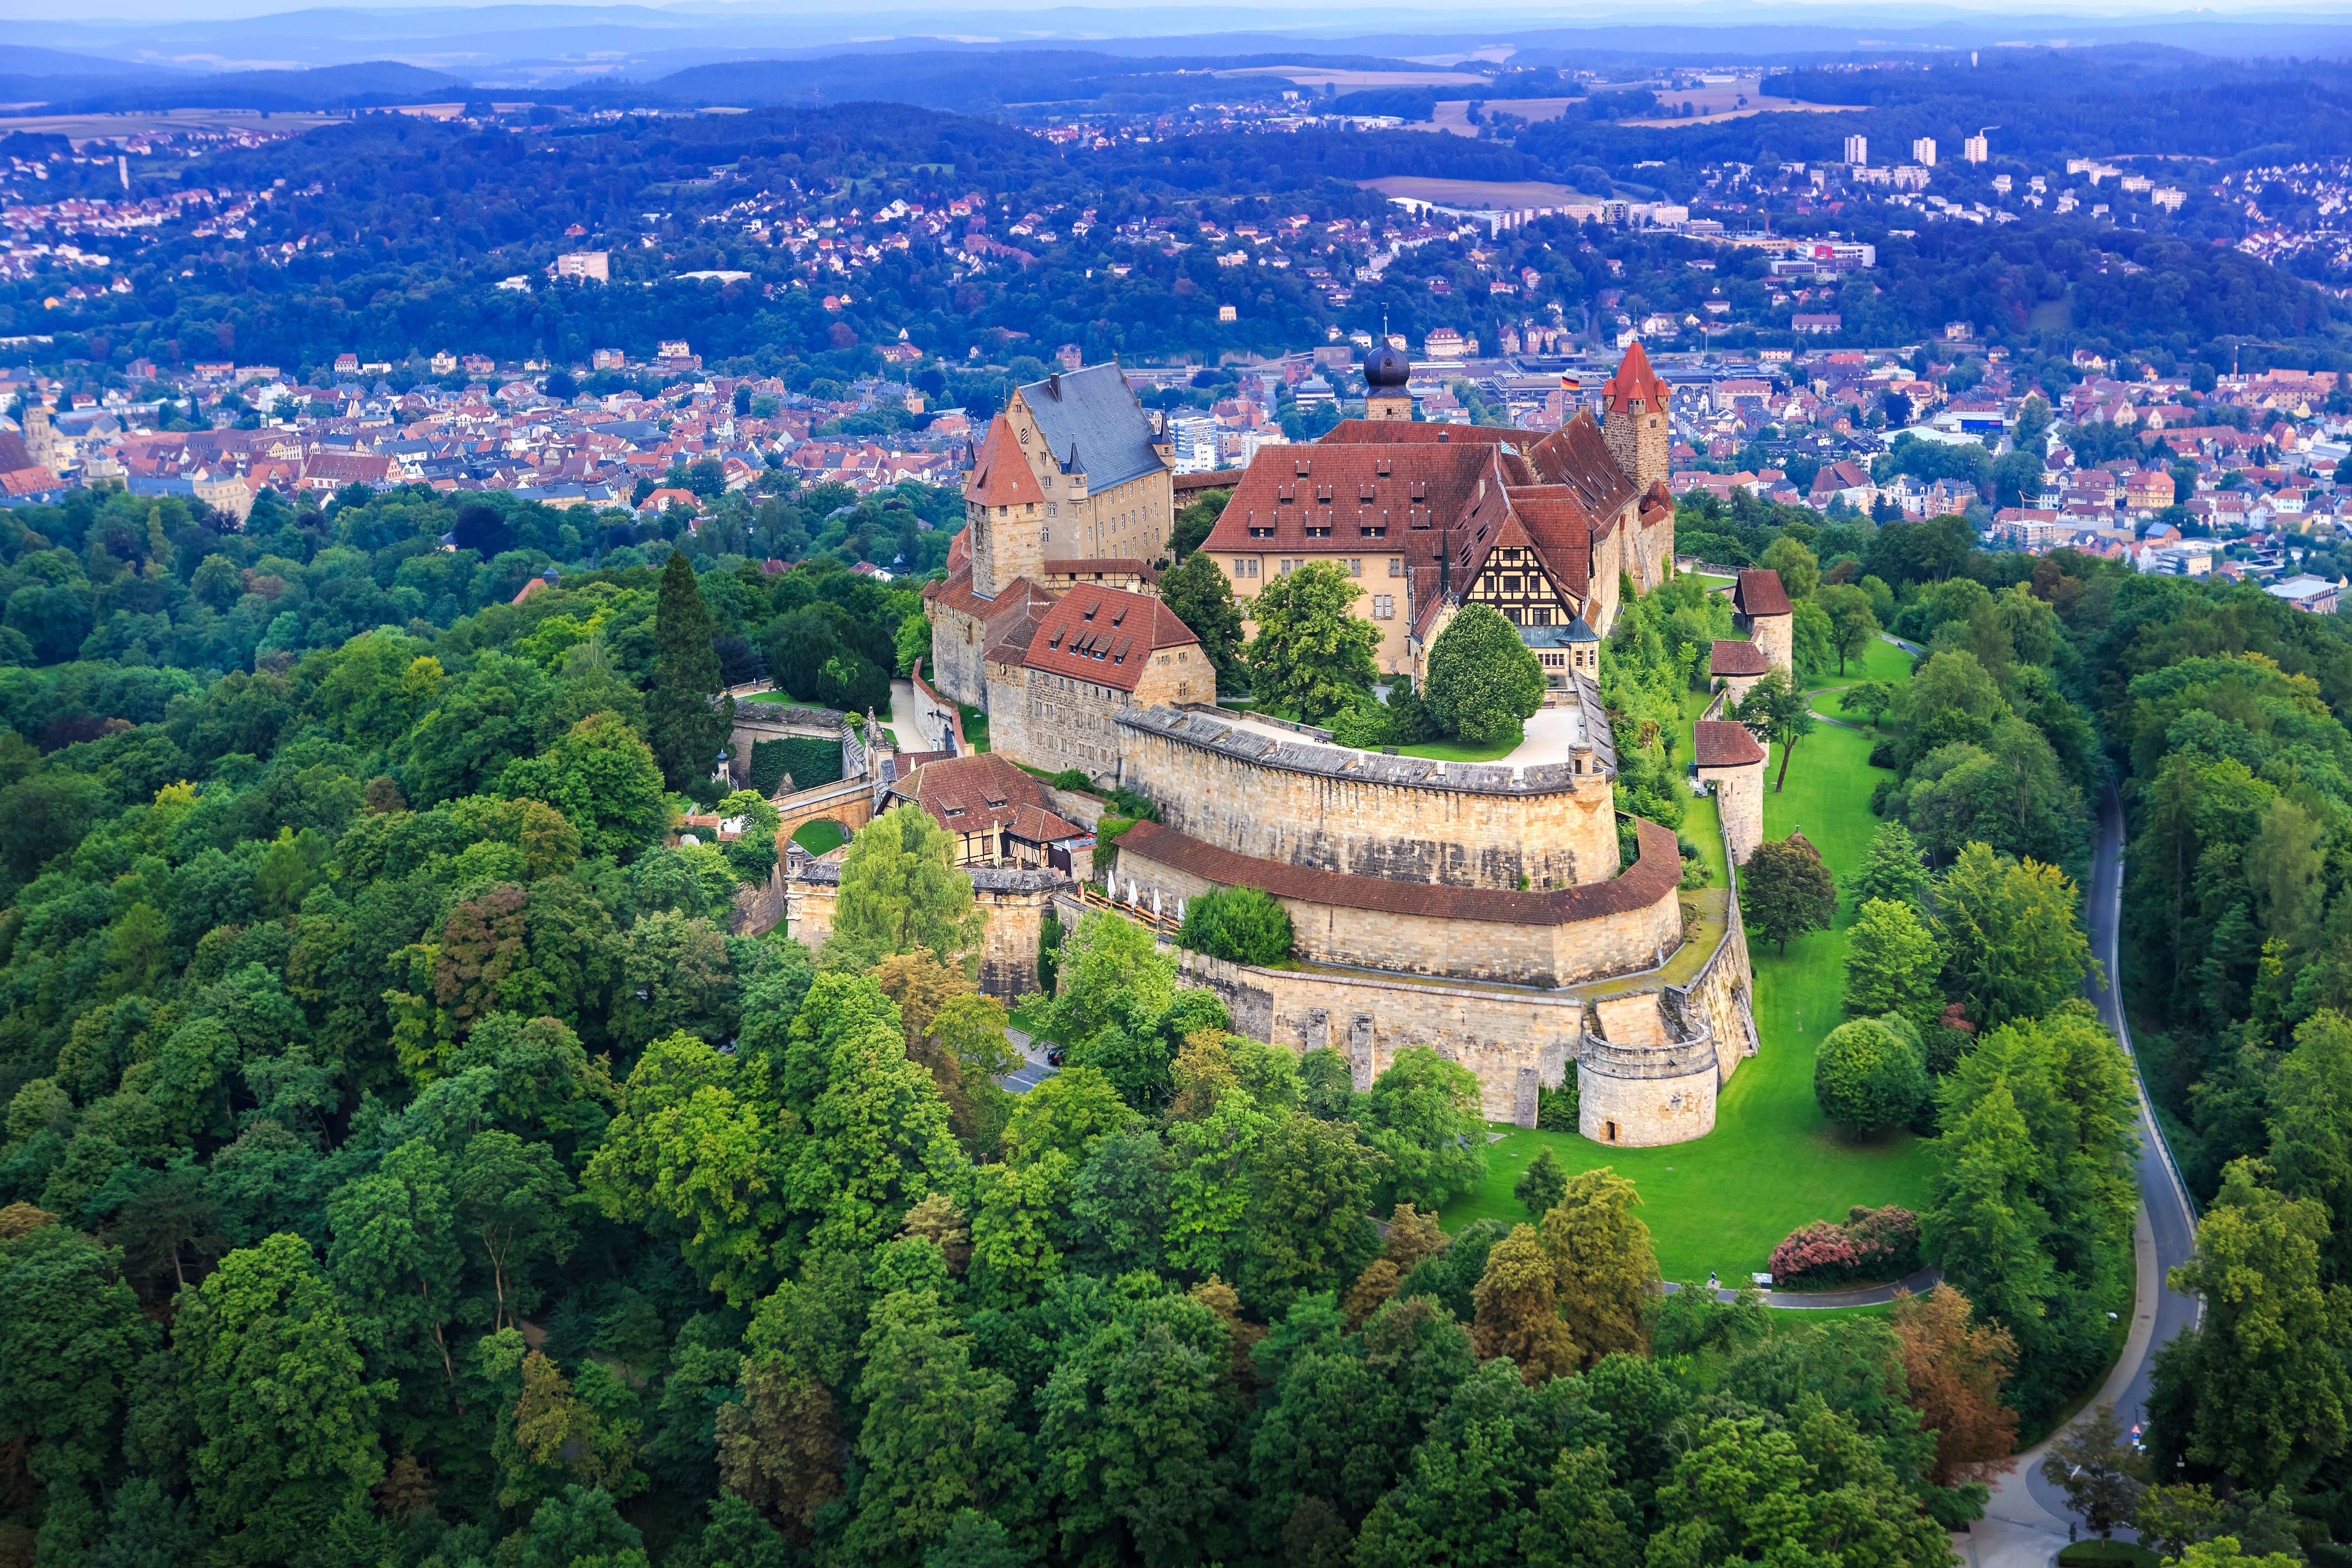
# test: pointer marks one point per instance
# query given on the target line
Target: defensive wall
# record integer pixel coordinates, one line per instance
(1015, 899)
(1561, 937)
(1650, 1049)
(1364, 813)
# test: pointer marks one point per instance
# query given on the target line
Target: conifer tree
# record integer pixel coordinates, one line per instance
(685, 729)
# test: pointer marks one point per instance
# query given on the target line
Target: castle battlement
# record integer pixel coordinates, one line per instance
(1217, 729)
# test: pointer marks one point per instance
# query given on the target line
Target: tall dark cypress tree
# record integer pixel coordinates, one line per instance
(686, 730)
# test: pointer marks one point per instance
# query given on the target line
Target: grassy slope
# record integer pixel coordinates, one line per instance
(1772, 1163)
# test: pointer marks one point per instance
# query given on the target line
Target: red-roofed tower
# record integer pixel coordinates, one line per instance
(1634, 400)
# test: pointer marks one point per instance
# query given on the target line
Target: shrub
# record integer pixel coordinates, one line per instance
(1106, 832)
(1873, 1244)
(1868, 1075)
(1557, 1109)
(1242, 925)
(1134, 807)
(811, 760)
(1073, 778)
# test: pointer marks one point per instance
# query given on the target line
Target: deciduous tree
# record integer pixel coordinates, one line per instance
(1785, 890)
(1483, 682)
(1312, 654)
(1953, 1370)
(1776, 712)
(900, 890)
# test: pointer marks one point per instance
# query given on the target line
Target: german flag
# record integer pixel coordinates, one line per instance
(1570, 381)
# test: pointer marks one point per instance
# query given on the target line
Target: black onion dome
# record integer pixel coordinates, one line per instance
(1386, 367)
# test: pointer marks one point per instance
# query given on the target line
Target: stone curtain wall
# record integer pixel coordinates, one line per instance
(1057, 722)
(957, 638)
(1512, 1043)
(1512, 952)
(1016, 901)
(1468, 828)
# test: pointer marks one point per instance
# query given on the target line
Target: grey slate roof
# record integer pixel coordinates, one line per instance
(1093, 410)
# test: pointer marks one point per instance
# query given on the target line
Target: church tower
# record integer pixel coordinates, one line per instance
(1636, 431)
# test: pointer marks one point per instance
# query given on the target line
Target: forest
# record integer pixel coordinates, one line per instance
(406, 1161)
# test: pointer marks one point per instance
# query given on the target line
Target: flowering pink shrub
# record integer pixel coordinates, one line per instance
(1876, 1244)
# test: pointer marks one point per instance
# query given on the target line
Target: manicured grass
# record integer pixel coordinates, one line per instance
(1703, 827)
(1460, 751)
(782, 698)
(1773, 1161)
(820, 836)
(975, 726)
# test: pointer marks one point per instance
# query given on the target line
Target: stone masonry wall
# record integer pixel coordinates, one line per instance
(1016, 901)
(1739, 798)
(1777, 635)
(1055, 722)
(1512, 1043)
(957, 638)
(1644, 1112)
(1546, 956)
(1554, 837)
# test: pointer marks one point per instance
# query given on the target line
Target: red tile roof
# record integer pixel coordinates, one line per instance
(1104, 636)
(1760, 594)
(1000, 472)
(1634, 378)
(1653, 876)
(1408, 433)
(964, 795)
(1734, 657)
(1414, 491)
(1723, 744)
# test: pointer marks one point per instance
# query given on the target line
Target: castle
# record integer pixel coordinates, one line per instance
(1481, 909)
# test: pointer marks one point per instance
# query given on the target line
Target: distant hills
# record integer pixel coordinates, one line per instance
(370, 84)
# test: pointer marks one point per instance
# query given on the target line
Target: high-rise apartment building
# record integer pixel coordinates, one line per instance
(1923, 152)
(1857, 150)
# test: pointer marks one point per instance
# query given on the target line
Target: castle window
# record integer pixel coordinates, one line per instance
(1396, 565)
(1355, 568)
(1510, 584)
(1261, 533)
(1318, 534)
(1374, 532)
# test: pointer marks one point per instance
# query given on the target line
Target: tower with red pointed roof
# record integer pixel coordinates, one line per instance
(1633, 402)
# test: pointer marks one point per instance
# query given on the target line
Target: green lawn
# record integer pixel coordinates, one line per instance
(782, 698)
(1703, 827)
(975, 726)
(820, 836)
(1773, 1162)
(1460, 751)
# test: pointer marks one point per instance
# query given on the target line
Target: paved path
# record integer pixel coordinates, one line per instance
(1546, 736)
(1024, 1080)
(1918, 1284)
(2166, 1236)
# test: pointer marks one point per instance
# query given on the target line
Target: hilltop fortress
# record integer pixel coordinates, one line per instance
(1485, 910)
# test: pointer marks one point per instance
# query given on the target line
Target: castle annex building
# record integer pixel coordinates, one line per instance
(1433, 517)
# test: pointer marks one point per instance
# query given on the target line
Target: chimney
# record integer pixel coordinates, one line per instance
(1053, 386)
